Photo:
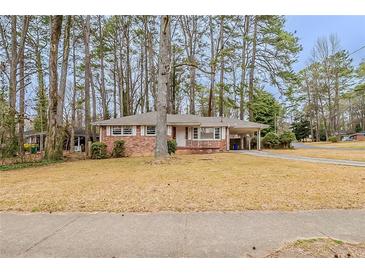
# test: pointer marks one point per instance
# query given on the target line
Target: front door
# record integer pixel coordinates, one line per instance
(180, 137)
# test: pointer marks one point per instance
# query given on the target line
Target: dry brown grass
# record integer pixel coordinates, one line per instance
(224, 181)
(354, 155)
(353, 144)
(320, 248)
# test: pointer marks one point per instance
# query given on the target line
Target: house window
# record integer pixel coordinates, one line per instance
(195, 133)
(122, 130)
(217, 133)
(127, 130)
(116, 130)
(207, 133)
(151, 130)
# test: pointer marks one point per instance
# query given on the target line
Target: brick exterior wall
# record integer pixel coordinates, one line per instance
(134, 145)
(145, 145)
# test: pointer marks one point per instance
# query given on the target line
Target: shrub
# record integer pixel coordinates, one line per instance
(286, 138)
(333, 139)
(98, 151)
(271, 140)
(118, 149)
(171, 146)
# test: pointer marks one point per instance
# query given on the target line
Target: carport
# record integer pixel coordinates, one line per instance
(241, 134)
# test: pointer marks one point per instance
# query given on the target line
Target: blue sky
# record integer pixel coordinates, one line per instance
(349, 29)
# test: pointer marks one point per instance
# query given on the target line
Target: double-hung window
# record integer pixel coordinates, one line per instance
(122, 130)
(150, 130)
(195, 133)
(116, 130)
(217, 133)
(127, 130)
(207, 133)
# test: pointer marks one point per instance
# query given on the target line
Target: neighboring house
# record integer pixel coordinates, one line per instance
(39, 138)
(360, 136)
(193, 134)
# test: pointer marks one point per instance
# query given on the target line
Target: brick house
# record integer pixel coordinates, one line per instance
(193, 134)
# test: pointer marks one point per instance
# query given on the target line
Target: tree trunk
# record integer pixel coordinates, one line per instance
(21, 102)
(73, 106)
(64, 70)
(126, 96)
(115, 80)
(87, 82)
(211, 100)
(163, 78)
(243, 66)
(102, 74)
(13, 78)
(152, 70)
(93, 99)
(252, 71)
(221, 80)
(54, 142)
(146, 95)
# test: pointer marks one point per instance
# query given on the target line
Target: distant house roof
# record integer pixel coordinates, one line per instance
(78, 132)
(150, 118)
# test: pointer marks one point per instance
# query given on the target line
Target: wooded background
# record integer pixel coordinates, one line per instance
(60, 73)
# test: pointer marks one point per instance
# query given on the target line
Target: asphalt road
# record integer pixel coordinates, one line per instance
(170, 234)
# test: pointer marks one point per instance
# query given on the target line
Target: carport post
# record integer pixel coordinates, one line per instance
(259, 140)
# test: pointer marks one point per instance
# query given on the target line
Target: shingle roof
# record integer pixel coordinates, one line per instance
(150, 118)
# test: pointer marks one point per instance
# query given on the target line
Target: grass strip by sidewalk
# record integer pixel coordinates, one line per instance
(27, 164)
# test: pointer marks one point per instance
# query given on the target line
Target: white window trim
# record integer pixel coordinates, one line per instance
(121, 133)
(146, 133)
(199, 139)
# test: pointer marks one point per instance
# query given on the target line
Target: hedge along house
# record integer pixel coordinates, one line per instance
(193, 134)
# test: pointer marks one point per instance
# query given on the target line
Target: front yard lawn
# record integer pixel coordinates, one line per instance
(224, 181)
(321, 248)
(353, 144)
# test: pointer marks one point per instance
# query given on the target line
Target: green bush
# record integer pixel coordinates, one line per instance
(286, 138)
(333, 139)
(171, 146)
(271, 140)
(118, 149)
(98, 151)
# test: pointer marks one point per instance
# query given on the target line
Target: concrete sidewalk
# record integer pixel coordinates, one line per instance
(268, 154)
(210, 234)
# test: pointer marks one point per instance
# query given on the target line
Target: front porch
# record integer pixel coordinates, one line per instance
(221, 139)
